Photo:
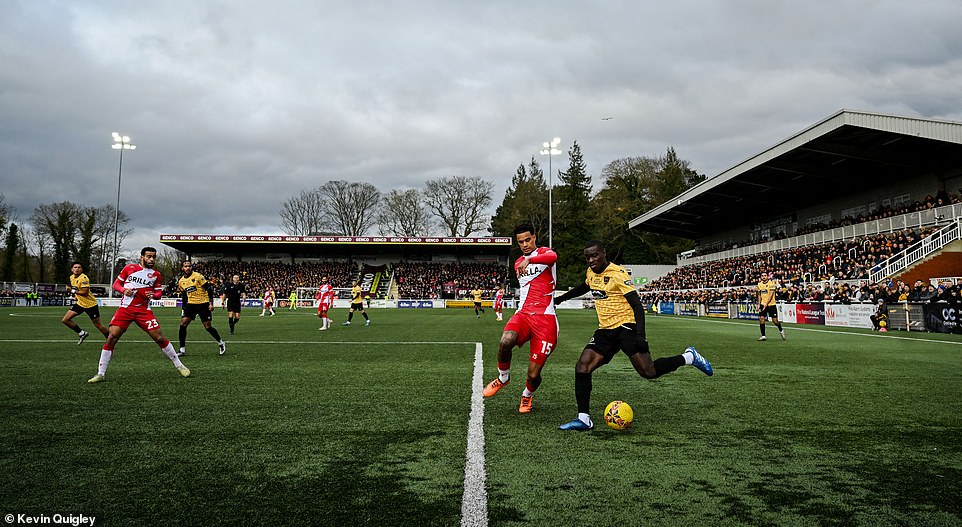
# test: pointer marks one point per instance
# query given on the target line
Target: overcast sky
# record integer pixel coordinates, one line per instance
(237, 105)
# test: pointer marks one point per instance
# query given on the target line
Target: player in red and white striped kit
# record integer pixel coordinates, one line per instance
(534, 320)
(138, 283)
(325, 301)
(499, 303)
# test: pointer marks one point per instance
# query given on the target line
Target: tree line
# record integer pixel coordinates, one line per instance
(456, 205)
(41, 248)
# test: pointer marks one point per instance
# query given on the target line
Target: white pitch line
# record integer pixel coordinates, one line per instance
(887, 335)
(229, 341)
(474, 503)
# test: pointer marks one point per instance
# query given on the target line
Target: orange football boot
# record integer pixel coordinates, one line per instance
(525, 407)
(493, 387)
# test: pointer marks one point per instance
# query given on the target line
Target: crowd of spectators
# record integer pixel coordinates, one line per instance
(422, 280)
(415, 280)
(845, 260)
(283, 277)
(940, 199)
(842, 292)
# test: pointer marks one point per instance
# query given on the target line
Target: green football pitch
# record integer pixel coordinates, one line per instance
(383, 425)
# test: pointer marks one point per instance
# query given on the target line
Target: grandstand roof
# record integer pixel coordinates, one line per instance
(193, 244)
(840, 154)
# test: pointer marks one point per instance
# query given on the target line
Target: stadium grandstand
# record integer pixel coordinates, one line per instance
(387, 268)
(856, 208)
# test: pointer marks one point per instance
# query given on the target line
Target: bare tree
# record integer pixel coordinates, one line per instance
(59, 220)
(403, 214)
(350, 206)
(6, 213)
(304, 213)
(39, 241)
(169, 261)
(104, 249)
(459, 203)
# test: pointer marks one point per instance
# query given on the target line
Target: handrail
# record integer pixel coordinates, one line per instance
(900, 261)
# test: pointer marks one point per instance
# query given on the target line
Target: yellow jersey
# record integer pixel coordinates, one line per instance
(356, 294)
(609, 288)
(477, 295)
(87, 299)
(766, 293)
(193, 285)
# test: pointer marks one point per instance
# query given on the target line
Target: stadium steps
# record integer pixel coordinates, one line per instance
(946, 262)
(898, 263)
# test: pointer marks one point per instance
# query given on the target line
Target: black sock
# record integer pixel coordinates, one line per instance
(762, 327)
(182, 336)
(778, 325)
(668, 364)
(76, 329)
(365, 316)
(213, 332)
(350, 316)
(583, 392)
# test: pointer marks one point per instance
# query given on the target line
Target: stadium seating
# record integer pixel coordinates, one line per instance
(848, 260)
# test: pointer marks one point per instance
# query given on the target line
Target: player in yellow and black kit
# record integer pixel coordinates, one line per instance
(86, 303)
(478, 310)
(621, 326)
(197, 295)
(766, 305)
(357, 304)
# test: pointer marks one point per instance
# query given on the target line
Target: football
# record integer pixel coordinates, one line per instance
(618, 415)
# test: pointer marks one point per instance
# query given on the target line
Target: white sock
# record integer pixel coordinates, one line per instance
(585, 418)
(104, 361)
(527, 392)
(504, 375)
(689, 357)
(172, 355)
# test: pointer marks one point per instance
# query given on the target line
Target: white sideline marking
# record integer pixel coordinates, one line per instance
(797, 327)
(474, 503)
(231, 341)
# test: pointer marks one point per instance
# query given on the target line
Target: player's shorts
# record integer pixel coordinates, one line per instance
(608, 342)
(192, 311)
(358, 306)
(234, 306)
(770, 312)
(144, 318)
(92, 312)
(541, 330)
(477, 304)
(323, 308)
(498, 306)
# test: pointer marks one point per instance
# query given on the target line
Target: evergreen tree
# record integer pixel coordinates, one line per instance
(11, 244)
(524, 201)
(633, 186)
(573, 221)
(83, 249)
